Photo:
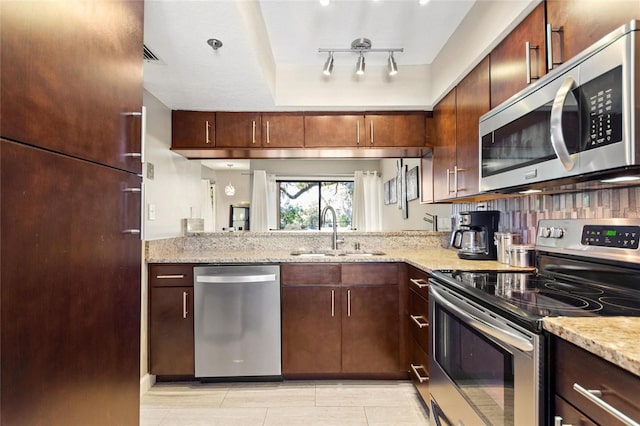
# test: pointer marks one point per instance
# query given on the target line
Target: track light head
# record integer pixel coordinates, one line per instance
(328, 65)
(391, 64)
(360, 65)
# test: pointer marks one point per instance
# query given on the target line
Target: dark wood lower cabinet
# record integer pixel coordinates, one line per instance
(334, 325)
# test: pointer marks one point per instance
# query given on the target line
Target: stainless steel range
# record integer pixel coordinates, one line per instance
(487, 361)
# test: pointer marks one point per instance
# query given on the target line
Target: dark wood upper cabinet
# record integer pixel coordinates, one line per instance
(395, 130)
(472, 101)
(334, 130)
(238, 130)
(83, 87)
(509, 59)
(444, 146)
(583, 22)
(192, 129)
(282, 130)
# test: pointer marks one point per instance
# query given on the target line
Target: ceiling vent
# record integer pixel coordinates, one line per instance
(149, 56)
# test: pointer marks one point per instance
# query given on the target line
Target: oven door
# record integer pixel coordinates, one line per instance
(484, 369)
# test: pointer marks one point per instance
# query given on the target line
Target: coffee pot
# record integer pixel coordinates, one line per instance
(474, 234)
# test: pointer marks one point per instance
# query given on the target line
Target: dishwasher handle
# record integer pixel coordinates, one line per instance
(227, 279)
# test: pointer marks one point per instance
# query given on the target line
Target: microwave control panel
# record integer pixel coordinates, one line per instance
(625, 237)
(603, 109)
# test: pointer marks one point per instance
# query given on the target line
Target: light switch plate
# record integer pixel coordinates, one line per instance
(150, 171)
(151, 211)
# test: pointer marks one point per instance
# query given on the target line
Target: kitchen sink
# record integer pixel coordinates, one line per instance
(332, 253)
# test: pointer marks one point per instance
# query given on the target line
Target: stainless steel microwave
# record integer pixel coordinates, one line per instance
(575, 123)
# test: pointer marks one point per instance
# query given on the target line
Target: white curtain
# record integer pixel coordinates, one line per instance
(367, 201)
(263, 202)
(206, 205)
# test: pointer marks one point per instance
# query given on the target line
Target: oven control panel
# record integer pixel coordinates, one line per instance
(625, 237)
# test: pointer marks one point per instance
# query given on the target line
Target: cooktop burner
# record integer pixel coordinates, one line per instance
(532, 295)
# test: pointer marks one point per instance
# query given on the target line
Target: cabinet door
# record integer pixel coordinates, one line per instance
(509, 58)
(71, 78)
(333, 130)
(171, 346)
(395, 130)
(70, 290)
(584, 22)
(238, 130)
(282, 130)
(472, 100)
(568, 413)
(444, 146)
(192, 129)
(310, 330)
(370, 329)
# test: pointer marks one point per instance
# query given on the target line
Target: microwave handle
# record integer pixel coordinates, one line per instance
(494, 330)
(557, 137)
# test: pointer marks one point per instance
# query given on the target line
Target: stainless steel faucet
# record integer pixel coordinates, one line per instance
(334, 239)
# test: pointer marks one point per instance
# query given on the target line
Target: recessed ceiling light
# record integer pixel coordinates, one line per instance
(620, 179)
(423, 2)
(325, 2)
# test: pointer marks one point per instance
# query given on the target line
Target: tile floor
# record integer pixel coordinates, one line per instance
(307, 403)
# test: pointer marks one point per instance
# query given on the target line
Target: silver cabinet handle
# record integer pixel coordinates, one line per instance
(126, 191)
(555, 123)
(557, 421)
(170, 277)
(420, 321)
(358, 132)
(415, 368)
(253, 129)
(371, 125)
(206, 132)
(268, 133)
(131, 231)
(595, 397)
(348, 303)
(123, 125)
(185, 295)
(132, 190)
(528, 48)
(449, 173)
(333, 303)
(550, 31)
(419, 282)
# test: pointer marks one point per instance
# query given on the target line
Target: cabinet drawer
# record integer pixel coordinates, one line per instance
(419, 369)
(574, 365)
(419, 319)
(419, 281)
(370, 273)
(569, 415)
(307, 273)
(171, 275)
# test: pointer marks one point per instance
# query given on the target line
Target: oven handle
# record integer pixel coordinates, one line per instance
(492, 330)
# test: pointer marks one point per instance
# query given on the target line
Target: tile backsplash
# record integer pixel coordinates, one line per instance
(521, 214)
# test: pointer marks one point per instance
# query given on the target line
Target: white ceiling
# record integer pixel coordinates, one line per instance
(270, 58)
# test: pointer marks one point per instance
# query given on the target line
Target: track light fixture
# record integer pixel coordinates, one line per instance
(328, 65)
(360, 46)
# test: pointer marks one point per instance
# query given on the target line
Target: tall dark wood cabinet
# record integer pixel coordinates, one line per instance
(70, 253)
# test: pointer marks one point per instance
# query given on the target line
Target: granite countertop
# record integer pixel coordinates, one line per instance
(427, 259)
(612, 338)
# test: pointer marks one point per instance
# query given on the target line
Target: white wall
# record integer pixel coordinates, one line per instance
(175, 187)
(392, 216)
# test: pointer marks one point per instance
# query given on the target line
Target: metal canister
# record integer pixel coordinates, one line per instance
(503, 241)
(522, 255)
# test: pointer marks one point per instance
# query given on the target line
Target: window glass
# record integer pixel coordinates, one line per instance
(301, 202)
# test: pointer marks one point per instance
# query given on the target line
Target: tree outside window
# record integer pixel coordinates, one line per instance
(302, 201)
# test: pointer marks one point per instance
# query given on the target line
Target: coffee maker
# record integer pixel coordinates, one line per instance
(474, 234)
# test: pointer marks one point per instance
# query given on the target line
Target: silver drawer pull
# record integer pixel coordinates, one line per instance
(185, 296)
(421, 379)
(419, 282)
(170, 277)
(420, 321)
(595, 397)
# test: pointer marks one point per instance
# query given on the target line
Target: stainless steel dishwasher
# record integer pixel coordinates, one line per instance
(237, 321)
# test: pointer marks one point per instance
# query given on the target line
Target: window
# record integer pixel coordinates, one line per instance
(302, 201)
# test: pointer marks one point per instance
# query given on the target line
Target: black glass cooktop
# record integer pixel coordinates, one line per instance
(530, 296)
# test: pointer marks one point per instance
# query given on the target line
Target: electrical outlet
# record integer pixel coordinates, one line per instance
(151, 211)
(150, 171)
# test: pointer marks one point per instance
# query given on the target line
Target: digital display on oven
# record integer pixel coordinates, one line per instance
(625, 237)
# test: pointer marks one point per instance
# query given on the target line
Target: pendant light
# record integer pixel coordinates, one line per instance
(229, 190)
(361, 46)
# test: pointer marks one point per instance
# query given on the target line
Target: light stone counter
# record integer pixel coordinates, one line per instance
(612, 338)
